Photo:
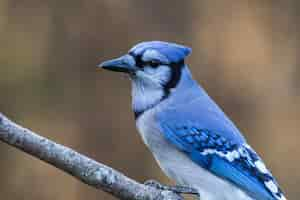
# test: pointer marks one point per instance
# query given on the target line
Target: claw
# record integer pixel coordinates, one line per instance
(155, 184)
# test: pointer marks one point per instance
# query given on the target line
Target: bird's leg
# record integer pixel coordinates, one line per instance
(177, 188)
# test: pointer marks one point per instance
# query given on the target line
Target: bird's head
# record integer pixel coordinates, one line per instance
(155, 69)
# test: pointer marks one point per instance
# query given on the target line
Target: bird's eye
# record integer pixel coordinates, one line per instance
(154, 63)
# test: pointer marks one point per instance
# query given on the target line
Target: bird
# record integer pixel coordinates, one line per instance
(193, 141)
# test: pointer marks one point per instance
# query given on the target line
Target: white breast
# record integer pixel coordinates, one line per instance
(180, 168)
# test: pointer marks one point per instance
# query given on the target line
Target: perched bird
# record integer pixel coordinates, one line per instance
(191, 138)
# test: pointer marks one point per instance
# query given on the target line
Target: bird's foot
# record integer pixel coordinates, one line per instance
(177, 188)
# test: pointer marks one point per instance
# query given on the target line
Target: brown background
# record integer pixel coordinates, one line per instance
(245, 53)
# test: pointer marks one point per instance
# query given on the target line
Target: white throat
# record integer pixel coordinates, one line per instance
(146, 95)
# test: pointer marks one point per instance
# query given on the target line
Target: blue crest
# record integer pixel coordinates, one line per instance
(174, 52)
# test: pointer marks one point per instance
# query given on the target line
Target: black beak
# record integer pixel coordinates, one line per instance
(124, 64)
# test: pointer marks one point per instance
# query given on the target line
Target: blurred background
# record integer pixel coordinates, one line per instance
(245, 53)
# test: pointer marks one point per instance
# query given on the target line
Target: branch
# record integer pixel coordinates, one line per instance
(81, 167)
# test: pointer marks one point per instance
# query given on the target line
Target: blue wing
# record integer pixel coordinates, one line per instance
(215, 144)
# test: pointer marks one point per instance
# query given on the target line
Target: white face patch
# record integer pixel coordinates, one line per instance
(159, 75)
(147, 88)
(152, 54)
(153, 79)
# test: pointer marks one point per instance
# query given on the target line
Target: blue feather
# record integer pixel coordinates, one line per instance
(204, 137)
(173, 52)
(190, 121)
(210, 150)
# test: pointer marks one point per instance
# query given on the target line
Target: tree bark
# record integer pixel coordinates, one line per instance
(81, 167)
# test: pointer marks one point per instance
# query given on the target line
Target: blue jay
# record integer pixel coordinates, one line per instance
(191, 138)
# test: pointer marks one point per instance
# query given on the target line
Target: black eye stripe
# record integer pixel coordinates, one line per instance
(140, 63)
(178, 64)
(153, 63)
(138, 60)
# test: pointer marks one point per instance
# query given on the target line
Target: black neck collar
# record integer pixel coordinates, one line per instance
(176, 71)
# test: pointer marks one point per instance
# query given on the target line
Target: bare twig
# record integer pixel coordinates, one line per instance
(83, 168)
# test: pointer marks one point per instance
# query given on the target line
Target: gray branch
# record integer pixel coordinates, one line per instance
(81, 167)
